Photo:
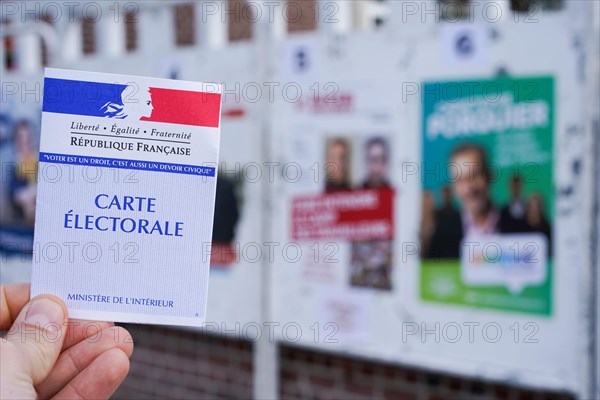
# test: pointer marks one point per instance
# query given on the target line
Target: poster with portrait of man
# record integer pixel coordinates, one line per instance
(488, 194)
(355, 207)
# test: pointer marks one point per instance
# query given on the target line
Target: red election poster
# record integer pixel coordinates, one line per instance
(356, 215)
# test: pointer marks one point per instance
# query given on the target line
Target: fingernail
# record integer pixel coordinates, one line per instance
(46, 314)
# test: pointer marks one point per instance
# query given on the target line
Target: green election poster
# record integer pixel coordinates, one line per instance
(488, 194)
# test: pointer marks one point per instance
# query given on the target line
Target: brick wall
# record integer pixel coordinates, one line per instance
(310, 375)
(185, 24)
(180, 364)
(301, 15)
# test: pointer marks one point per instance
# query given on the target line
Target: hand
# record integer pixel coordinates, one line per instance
(45, 355)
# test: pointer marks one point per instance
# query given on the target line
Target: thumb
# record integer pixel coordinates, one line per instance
(37, 336)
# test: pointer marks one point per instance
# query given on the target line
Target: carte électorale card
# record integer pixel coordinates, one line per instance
(126, 195)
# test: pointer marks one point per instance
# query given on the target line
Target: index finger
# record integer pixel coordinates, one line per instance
(12, 299)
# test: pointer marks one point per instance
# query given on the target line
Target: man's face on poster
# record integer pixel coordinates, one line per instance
(470, 182)
(337, 162)
(376, 160)
(516, 187)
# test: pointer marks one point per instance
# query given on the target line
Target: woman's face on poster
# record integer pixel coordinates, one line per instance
(23, 140)
(535, 204)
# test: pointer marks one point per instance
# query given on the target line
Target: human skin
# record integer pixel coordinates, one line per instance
(376, 160)
(470, 185)
(337, 163)
(46, 355)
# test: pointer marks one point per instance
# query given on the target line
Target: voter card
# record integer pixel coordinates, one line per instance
(126, 195)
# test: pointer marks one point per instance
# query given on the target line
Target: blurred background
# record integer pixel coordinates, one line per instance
(342, 198)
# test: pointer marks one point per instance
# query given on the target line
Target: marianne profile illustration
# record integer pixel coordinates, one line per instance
(131, 106)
